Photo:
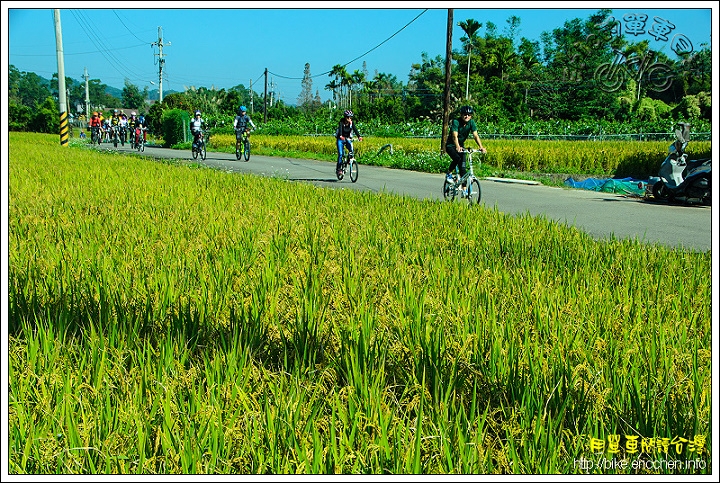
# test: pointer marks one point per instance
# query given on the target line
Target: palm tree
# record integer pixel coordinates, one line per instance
(340, 74)
(333, 86)
(470, 27)
(356, 77)
(379, 84)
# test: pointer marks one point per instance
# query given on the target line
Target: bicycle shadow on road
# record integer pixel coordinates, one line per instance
(317, 180)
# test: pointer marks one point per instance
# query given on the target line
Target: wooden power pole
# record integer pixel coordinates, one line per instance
(448, 68)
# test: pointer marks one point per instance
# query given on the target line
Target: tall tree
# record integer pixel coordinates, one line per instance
(305, 99)
(427, 83)
(31, 89)
(333, 86)
(356, 78)
(340, 75)
(470, 27)
(99, 98)
(132, 97)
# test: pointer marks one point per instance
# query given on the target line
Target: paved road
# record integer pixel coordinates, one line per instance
(603, 215)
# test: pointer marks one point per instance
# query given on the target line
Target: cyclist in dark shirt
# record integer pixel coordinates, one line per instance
(343, 135)
(242, 123)
(460, 130)
(242, 120)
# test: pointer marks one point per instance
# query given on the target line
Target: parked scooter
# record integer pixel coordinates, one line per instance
(680, 179)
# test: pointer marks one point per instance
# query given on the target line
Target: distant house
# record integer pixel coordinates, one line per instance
(127, 110)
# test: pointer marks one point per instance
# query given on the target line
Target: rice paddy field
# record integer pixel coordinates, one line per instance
(639, 159)
(171, 319)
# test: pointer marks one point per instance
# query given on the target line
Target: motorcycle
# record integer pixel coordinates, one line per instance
(680, 179)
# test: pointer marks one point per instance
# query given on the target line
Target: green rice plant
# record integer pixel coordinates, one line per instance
(164, 319)
(639, 159)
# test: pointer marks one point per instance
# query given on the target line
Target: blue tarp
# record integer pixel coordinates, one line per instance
(626, 186)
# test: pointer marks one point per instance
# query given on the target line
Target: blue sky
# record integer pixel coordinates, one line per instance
(222, 46)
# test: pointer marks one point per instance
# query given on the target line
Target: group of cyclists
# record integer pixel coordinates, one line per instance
(460, 130)
(242, 123)
(128, 128)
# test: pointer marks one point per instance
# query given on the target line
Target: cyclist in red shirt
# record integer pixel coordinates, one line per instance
(95, 124)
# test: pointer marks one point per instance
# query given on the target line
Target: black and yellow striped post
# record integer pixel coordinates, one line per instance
(64, 129)
(62, 98)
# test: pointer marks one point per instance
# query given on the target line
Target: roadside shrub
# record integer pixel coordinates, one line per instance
(19, 116)
(47, 118)
(689, 108)
(175, 125)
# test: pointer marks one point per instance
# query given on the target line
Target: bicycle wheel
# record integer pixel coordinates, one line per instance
(660, 77)
(247, 150)
(449, 190)
(194, 153)
(474, 192)
(238, 154)
(353, 165)
(142, 145)
(203, 151)
(609, 77)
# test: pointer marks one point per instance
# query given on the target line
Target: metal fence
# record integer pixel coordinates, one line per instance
(645, 136)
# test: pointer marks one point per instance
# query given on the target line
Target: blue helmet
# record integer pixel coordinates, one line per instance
(242, 109)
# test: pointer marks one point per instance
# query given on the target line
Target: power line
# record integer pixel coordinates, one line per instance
(99, 43)
(80, 53)
(131, 32)
(358, 57)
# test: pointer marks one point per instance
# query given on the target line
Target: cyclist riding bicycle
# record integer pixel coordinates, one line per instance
(343, 135)
(115, 122)
(140, 126)
(95, 124)
(115, 118)
(460, 130)
(197, 125)
(106, 129)
(132, 120)
(122, 124)
(242, 120)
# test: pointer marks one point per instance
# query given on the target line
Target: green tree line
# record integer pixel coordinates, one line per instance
(581, 74)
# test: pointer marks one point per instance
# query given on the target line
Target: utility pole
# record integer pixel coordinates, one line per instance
(62, 99)
(448, 67)
(252, 111)
(272, 91)
(161, 61)
(87, 97)
(265, 98)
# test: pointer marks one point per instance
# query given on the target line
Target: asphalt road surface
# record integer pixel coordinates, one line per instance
(602, 215)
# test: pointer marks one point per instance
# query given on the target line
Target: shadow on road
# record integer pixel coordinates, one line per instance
(317, 180)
